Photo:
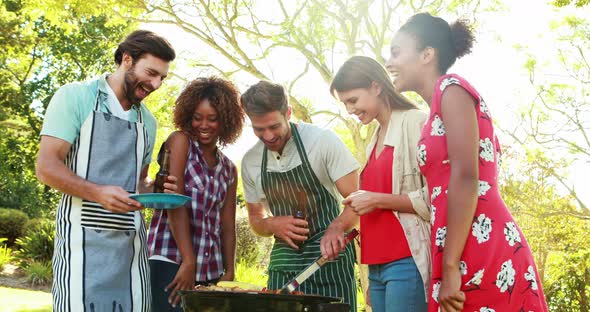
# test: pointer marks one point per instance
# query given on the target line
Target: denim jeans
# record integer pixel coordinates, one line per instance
(396, 286)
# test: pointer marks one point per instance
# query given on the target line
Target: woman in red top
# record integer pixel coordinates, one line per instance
(481, 260)
(393, 235)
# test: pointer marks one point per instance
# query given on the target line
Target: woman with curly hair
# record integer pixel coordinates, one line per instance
(196, 244)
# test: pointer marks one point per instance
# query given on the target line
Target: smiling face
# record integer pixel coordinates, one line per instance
(143, 77)
(405, 62)
(272, 129)
(364, 103)
(205, 124)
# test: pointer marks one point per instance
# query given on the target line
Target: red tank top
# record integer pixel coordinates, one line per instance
(382, 236)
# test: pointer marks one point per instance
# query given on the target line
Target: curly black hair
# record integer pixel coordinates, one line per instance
(223, 96)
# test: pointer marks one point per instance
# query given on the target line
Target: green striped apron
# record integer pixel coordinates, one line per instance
(336, 278)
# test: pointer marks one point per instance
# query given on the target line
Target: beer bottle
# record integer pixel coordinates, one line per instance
(163, 173)
(300, 213)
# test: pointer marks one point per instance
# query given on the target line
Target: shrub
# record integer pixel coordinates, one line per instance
(37, 245)
(5, 253)
(251, 249)
(12, 224)
(253, 274)
(39, 273)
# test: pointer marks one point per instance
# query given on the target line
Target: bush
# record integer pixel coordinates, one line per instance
(251, 249)
(39, 273)
(12, 224)
(5, 254)
(37, 245)
(252, 274)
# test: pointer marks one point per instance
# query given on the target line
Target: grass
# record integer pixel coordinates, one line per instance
(20, 300)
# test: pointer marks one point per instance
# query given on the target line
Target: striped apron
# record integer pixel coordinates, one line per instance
(336, 278)
(100, 258)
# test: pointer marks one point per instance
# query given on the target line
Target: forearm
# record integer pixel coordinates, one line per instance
(228, 241)
(179, 226)
(462, 202)
(261, 225)
(400, 203)
(58, 176)
(347, 220)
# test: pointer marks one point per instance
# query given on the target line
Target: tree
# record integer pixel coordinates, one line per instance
(318, 35)
(551, 226)
(40, 53)
(558, 119)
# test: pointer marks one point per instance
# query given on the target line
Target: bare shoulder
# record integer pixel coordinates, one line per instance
(456, 96)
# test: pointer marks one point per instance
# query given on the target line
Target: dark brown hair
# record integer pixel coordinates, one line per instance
(222, 95)
(360, 72)
(450, 41)
(265, 97)
(142, 42)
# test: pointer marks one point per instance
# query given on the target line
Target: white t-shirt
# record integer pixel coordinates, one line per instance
(330, 160)
(114, 105)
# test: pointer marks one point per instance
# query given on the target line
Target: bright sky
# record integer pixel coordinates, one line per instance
(494, 67)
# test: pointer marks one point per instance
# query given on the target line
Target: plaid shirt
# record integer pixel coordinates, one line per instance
(207, 187)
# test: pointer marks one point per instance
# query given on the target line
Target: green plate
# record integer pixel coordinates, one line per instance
(161, 200)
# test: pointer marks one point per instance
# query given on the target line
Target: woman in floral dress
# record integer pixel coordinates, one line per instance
(480, 258)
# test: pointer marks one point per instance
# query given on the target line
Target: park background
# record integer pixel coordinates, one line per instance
(531, 63)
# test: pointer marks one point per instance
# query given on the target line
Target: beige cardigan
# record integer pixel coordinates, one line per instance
(403, 133)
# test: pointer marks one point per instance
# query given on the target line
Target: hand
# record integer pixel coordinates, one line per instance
(184, 280)
(333, 242)
(227, 276)
(170, 184)
(368, 297)
(450, 297)
(116, 199)
(289, 229)
(362, 202)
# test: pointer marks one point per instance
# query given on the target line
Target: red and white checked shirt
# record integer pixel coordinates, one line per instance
(207, 187)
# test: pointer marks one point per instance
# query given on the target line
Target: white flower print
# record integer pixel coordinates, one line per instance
(438, 128)
(530, 277)
(422, 154)
(432, 214)
(435, 192)
(505, 278)
(447, 82)
(486, 309)
(435, 291)
(483, 107)
(441, 236)
(484, 187)
(476, 279)
(486, 150)
(512, 234)
(463, 267)
(482, 228)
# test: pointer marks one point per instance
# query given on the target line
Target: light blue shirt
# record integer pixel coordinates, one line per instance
(72, 104)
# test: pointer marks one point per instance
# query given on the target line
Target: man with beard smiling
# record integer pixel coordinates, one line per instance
(96, 146)
(299, 167)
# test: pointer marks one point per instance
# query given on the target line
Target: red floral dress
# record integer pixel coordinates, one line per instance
(497, 266)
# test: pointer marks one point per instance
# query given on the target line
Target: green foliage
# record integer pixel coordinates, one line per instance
(19, 187)
(5, 253)
(553, 227)
(568, 283)
(12, 224)
(37, 245)
(249, 273)
(577, 3)
(251, 249)
(39, 273)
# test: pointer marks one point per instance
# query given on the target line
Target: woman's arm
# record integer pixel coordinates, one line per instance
(178, 218)
(460, 121)
(228, 230)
